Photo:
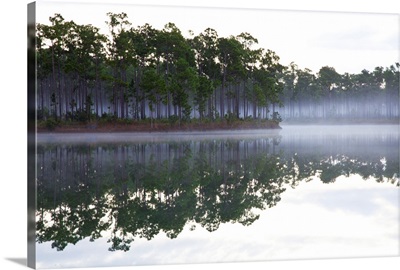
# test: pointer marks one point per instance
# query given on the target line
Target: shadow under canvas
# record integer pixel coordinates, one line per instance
(20, 261)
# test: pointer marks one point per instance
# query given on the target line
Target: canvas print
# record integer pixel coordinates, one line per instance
(179, 135)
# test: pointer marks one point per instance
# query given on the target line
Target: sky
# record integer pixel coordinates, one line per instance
(347, 41)
(13, 119)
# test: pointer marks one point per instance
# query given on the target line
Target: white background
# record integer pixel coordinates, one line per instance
(13, 125)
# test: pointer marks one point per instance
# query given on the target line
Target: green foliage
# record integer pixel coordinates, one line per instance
(276, 117)
(108, 117)
(230, 118)
(82, 116)
(51, 123)
(173, 119)
(42, 114)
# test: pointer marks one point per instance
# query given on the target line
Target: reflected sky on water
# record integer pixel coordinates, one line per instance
(300, 193)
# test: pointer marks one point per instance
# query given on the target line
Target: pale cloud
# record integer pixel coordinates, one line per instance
(355, 31)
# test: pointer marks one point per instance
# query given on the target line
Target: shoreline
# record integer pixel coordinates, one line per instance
(164, 127)
(138, 127)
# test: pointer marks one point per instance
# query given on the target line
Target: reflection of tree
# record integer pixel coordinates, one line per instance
(138, 190)
(70, 205)
(331, 167)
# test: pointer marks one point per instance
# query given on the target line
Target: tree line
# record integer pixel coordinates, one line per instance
(146, 73)
(329, 94)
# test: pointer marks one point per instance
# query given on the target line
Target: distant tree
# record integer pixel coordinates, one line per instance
(206, 51)
(153, 85)
(119, 55)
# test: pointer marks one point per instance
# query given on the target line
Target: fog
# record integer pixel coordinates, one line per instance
(123, 137)
(303, 132)
(339, 129)
(339, 108)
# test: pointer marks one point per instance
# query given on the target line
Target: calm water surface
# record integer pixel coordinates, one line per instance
(135, 199)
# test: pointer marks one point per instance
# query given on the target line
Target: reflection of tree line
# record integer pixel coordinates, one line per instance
(139, 190)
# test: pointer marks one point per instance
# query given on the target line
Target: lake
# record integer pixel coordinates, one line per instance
(303, 192)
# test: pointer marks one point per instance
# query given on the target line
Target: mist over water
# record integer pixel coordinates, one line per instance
(305, 133)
